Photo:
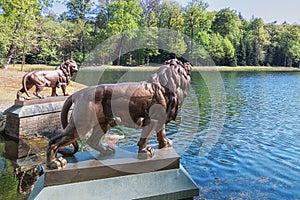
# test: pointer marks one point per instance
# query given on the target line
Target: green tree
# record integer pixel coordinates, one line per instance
(78, 9)
(124, 16)
(171, 16)
(151, 36)
(150, 33)
(52, 34)
(289, 42)
(196, 23)
(272, 30)
(20, 17)
(216, 48)
(260, 40)
(241, 49)
(227, 24)
(150, 8)
(171, 37)
(79, 12)
(229, 50)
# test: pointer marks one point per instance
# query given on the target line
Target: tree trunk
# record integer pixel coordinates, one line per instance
(23, 56)
(82, 46)
(120, 50)
(10, 54)
(13, 48)
(192, 44)
(285, 61)
(23, 60)
(147, 57)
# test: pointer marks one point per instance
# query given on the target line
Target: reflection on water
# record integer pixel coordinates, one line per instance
(20, 166)
(257, 155)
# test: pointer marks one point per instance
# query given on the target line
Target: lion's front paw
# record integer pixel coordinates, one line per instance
(146, 153)
(38, 95)
(165, 143)
(107, 150)
(58, 163)
(169, 143)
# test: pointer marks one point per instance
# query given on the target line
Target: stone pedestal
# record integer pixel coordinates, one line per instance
(34, 118)
(120, 176)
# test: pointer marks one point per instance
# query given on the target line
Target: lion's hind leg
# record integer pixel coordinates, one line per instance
(94, 140)
(67, 137)
(53, 93)
(20, 92)
(38, 89)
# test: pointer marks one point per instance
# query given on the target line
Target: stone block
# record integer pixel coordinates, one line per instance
(120, 176)
(85, 166)
(32, 118)
(167, 184)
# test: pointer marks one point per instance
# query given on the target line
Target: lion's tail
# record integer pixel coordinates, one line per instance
(64, 122)
(25, 78)
(65, 111)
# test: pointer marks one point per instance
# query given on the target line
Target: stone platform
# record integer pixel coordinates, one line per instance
(120, 176)
(33, 118)
(85, 166)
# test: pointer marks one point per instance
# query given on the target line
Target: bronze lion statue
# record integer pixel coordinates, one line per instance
(147, 105)
(60, 77)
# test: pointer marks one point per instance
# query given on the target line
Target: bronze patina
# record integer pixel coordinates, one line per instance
(148, 105)
(60, 77)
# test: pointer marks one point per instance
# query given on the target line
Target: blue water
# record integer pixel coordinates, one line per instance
(257, 153)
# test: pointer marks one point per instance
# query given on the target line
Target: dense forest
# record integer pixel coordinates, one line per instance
(30, 33)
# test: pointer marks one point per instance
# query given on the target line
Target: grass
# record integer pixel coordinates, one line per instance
(11, 83)
(28, 68)
(251, 68)
(205, 68)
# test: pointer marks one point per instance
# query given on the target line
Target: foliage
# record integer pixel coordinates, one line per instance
(124, 16)
(30, 33)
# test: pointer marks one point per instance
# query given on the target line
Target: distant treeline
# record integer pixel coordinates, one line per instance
(30, 33)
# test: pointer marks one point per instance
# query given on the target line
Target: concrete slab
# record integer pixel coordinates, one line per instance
(39, 101)
(34, 118)
(34, 109)
(85, 166)
(167, 184)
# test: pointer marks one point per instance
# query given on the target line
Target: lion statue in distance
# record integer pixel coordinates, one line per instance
(147, 105)
(60, 77)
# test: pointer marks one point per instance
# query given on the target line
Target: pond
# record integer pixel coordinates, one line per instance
(255, 156)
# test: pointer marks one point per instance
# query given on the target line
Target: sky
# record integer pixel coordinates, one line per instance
(268, 10)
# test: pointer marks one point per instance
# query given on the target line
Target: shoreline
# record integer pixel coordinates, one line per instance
(155, 67)
(200, 68)
(11, 78)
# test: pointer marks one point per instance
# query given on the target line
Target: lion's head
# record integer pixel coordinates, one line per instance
(174, 79)
(69, 67)
(174, 76)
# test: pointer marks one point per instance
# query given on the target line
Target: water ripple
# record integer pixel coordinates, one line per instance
(258, 153)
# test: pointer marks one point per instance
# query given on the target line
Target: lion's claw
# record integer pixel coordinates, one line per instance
(107, 150)
(146, 153)
(58, 163)
(165, 143)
